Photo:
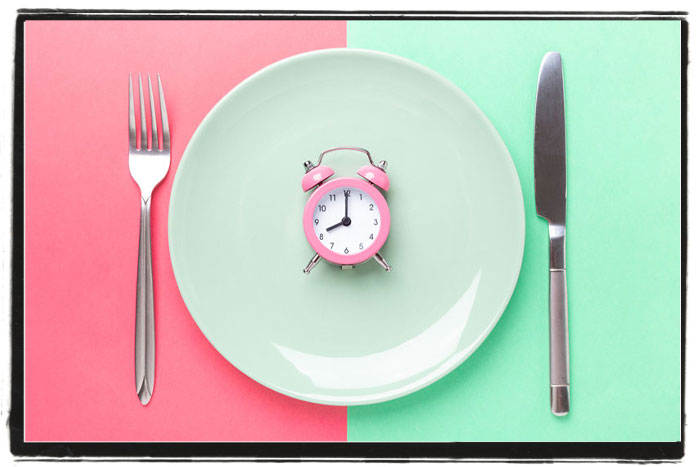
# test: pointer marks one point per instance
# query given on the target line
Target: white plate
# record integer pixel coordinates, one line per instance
(359, 336)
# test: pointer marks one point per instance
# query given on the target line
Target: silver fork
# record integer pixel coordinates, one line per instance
(148, 167)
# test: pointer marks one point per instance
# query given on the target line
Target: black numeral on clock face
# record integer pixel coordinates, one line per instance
(376, 222)
(346, 251)
(322, 207)
(331, 197)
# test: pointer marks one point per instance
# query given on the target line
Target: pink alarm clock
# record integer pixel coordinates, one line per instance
(346, 220)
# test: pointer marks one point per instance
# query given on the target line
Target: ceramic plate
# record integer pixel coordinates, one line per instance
(346, 337)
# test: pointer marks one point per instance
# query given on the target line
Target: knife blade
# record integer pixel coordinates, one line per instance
(550, 201)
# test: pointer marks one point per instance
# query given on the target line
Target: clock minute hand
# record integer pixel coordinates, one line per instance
(347, 195)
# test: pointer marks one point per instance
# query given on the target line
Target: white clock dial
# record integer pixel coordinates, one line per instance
(346, 232)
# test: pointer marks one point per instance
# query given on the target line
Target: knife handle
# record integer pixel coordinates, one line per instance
(558, 342)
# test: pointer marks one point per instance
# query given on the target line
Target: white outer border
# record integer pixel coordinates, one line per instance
(7, 19)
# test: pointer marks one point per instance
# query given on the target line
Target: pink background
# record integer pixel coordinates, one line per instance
(82, 225)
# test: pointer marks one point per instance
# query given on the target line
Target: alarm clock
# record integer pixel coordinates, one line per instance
(346, 220)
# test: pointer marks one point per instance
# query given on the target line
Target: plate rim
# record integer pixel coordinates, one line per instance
(435, 374)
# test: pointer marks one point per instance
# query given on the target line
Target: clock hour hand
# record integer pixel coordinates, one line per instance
(335, 226)
(346, 222)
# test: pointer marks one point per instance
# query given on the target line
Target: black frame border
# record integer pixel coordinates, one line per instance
(326, 451)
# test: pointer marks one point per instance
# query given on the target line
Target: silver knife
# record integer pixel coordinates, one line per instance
(550, 198)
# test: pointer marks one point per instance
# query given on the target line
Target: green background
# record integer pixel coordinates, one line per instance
(622, 91)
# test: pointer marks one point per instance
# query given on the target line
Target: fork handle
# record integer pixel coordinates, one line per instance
(145, 322)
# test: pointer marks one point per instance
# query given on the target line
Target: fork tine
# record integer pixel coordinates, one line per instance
(163, 116)
(144, 140)
(132, 118)
(154, 125)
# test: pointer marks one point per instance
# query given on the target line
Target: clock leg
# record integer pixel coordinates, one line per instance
(314, 261)
(382, 262)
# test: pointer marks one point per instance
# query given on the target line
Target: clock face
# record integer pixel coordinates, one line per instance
(346, 220)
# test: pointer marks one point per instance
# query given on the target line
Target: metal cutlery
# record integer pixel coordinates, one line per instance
(550, 198)
(148, 167)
